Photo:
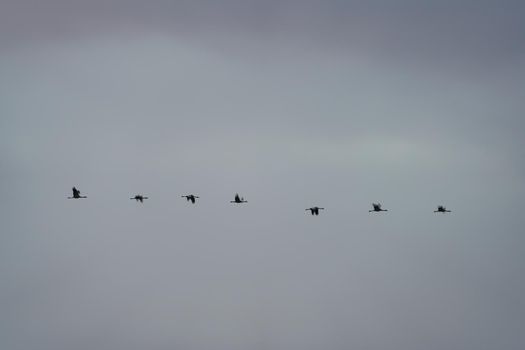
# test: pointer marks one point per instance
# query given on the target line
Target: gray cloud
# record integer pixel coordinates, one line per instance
(460, 33)
(292, 105)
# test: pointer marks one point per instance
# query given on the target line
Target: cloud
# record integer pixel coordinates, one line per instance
(292, 104)
(458, 35)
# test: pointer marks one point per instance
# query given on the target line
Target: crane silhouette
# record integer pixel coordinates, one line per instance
(190, 198)
(376, 207)
(76, 194)
(315, 210)
(442, 209)
(238, 199)
(139, 198)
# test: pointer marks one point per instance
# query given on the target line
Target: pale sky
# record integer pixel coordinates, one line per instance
(292, 104)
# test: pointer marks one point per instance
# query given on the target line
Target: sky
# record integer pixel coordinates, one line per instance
(292, 104)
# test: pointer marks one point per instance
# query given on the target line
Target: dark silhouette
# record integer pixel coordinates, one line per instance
(190, 198)
(442, 209)
(139, 198)
(238, 199)
(377, 207)
(76, 194)
(315, 210)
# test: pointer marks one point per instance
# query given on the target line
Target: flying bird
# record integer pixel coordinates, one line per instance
(76, 194)
(377, 207)
(139, 198)
(190, 198)
(442, 209)
(315, 210)
(238, 199)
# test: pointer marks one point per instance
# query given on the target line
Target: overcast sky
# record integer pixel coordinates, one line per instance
(292, 104)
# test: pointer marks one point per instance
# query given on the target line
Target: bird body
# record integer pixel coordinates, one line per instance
(442, 209)
(376, 207)
(139, 198)
(238, 199)
(190, 198)
(315, 210)
(76, 194)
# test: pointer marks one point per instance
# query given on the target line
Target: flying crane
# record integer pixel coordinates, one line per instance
(315, 210)
(190, 198)
(376, 207)
(76, 194)
(238, 199)
(442, 209)
(139, 198)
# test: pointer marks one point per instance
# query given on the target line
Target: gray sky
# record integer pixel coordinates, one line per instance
(292, 104)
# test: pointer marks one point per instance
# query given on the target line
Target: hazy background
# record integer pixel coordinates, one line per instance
(292, 104)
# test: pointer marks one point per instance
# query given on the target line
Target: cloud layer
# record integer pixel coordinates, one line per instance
(292, 104)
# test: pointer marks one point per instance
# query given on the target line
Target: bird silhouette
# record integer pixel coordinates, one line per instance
(139, 198)
(76, 194)
(315, 210)
(442, 209)
(190, 198)
(238, 199)
(377, 207)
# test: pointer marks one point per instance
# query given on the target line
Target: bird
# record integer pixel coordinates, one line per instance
(377, 207)
(315, 210)
(238, 199)
(190, 197)
(139, 198)
(442, 209)
(76, 194)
